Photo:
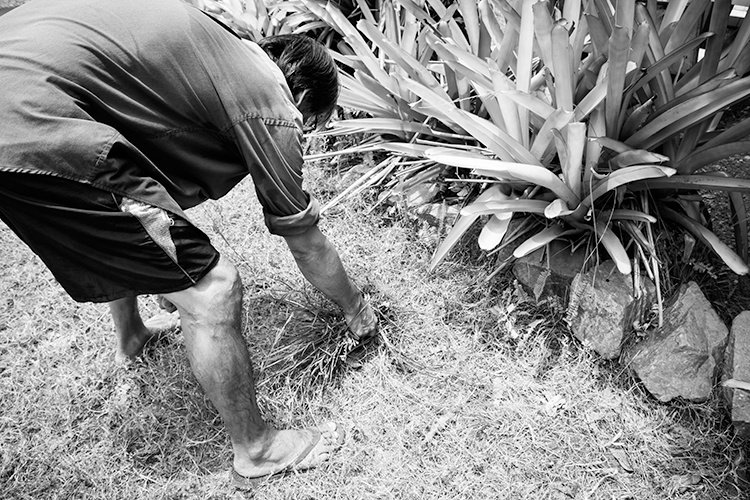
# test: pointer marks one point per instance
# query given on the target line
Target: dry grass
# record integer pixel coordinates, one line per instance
(475, 395)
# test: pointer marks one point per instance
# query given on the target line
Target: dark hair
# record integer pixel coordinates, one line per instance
(306, 65)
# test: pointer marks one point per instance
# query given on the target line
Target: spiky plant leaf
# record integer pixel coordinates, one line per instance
(494, 231)
(517, 171)
(730, 258)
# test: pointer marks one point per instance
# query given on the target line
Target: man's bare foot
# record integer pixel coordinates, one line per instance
(290, 450)
(131, 344)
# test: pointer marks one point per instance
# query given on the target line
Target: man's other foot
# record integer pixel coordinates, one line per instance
(289, 451)
(131, 346)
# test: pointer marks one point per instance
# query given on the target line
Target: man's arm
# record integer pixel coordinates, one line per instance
(321, 265)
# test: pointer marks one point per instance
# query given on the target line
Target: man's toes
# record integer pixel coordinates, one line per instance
(333, 433)
(162, 322)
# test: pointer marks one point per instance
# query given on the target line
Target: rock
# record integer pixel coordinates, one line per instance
(737, 367)
(603, 307)
(540, 279)
(680, 359)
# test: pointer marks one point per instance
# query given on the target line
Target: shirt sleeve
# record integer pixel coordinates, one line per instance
(273, 154)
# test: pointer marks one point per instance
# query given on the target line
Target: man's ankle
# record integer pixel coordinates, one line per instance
(255, 451)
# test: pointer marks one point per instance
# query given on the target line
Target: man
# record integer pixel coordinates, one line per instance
(117, 116)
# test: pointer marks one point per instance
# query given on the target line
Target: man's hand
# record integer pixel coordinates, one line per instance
(320, 264)
(362, 322)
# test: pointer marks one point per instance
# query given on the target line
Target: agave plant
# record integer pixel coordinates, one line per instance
(574, 111)
(254, 19)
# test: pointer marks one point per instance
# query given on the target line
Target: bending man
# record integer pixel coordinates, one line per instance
(116, 117)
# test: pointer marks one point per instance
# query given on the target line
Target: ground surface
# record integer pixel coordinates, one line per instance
(494, 401)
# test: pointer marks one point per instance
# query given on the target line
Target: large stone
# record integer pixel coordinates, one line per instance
(680, 360)
(737, 367)
(550, 270)
(604, 305)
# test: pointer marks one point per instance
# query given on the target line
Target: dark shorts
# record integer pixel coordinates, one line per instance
(101, 246)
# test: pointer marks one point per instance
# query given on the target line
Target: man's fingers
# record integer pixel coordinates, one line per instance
(365, 324)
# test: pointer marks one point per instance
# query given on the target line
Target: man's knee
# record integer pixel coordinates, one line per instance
(219, 289)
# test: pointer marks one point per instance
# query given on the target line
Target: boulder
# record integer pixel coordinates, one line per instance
(604, 305)
(680, 360)
(550, 270)
(737, 367)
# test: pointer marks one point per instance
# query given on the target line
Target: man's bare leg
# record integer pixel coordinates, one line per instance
(132, 332)
(210, 313)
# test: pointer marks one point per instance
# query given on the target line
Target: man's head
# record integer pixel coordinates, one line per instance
(309, 71)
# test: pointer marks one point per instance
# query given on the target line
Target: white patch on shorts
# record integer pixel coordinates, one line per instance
(155, 221)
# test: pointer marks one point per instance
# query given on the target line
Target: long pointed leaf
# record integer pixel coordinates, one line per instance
(730, 258)
(619, 48)
(462, 224)
(460, 227)
(688, 113)
(543, 31)
(508, 206)
(525, 53)
(488, 133)
(562, 64)
(573, 165)
(709, 156)
(539, 240)
(517, 171)
(695, 182)
(614, 247)
(625, 176)
(556, 121)
(493, 232)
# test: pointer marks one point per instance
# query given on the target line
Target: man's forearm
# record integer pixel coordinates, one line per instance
(319, 262)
